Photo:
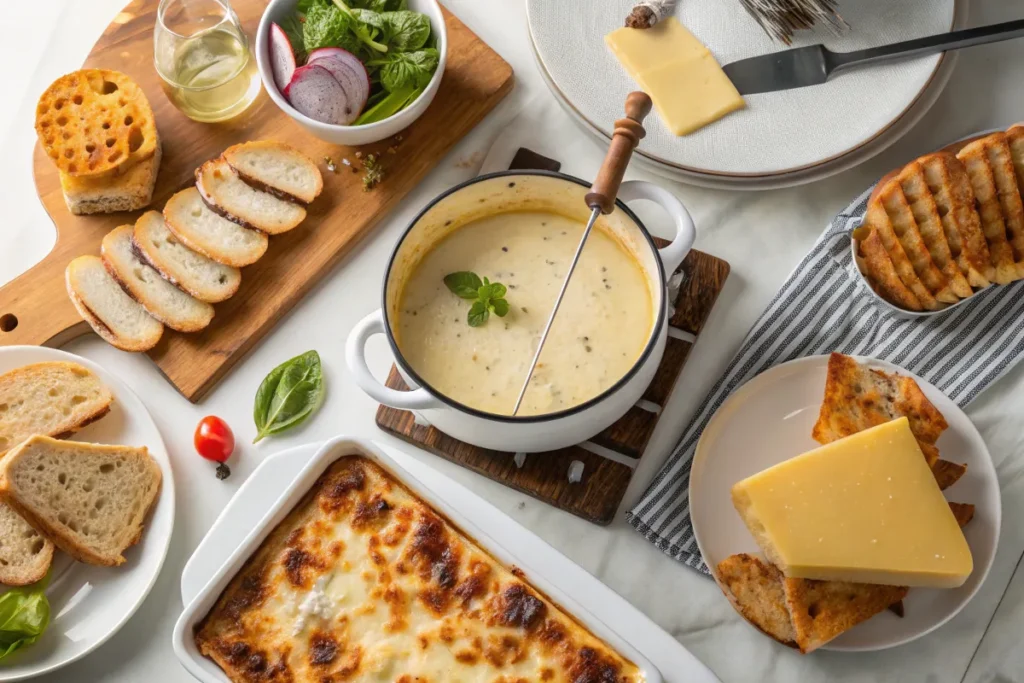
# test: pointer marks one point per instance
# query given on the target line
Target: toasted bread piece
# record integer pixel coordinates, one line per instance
(94, 121)
(876, 219)
(1000, 160)
(954, 197)
(114, 315)
(1015, 136)
(964, 513)
(160, 298)
(876, 264)
(925, 213)
(202, 277)
(128, 190)
(947, 473)
(231, 197)
(91, 500)
(25, 554)
(755, 590)
(276, 168)
(914, 244)
(975, 159)
(196, 226)
(822, 610)
(858, 398)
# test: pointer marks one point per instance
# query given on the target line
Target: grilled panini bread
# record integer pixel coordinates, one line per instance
(160, 298)
(115, 316)
(196, 226)
(947, 224)
(91, 500)
(276, 168)
(227, 194)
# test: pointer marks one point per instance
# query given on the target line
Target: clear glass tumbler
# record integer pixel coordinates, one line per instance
(203, 57)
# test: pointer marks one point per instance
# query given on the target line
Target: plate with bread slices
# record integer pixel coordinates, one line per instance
(946, 227)
(843, 503)
(86, 508)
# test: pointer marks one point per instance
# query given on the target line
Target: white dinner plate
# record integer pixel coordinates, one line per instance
(276, 474)
(769, 420)
(88, 604)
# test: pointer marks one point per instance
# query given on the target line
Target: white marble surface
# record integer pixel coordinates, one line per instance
(761, 235)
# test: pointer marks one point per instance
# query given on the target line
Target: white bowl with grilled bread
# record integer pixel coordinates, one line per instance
(946, 226)
(110, 507)
(771, 420)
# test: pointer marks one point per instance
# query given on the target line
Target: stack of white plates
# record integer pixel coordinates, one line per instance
(780, 139)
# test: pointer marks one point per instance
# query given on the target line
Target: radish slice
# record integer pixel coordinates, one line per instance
(282, 57)
(316, 93)
(348, 70)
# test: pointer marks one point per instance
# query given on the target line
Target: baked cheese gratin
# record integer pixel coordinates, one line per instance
(363, 581)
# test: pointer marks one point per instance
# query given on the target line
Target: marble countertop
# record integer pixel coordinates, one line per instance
(762, 235)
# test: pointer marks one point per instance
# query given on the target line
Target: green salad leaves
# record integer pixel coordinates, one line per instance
(24, 615)
(291, 393)
(395, 44)
(487, 297)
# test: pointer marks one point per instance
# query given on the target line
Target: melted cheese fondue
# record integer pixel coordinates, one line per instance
(601, 329)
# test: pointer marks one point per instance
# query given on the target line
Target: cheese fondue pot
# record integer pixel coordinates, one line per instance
(529, 191)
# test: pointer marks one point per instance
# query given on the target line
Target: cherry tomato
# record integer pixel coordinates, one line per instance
(213, 439)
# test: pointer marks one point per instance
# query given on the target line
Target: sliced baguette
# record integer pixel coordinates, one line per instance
(91, 500)
(227, 194)
(115, 316)
(276, 168)
(25, 554)
(160, 298)
(195, 225)
(202, 277)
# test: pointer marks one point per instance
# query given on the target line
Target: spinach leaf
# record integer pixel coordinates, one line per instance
(291, 393)
(293, 28)
(380, 5)
(405, 31)
(24, 615)
(326, 26)
(463, 284)
(365, 32)
(399, 70)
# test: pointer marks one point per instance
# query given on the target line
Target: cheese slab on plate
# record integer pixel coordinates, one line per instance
(769, 421)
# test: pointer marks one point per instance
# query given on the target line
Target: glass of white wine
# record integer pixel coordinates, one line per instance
(203, 57)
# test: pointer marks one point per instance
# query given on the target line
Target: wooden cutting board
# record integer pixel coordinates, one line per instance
(35, 309)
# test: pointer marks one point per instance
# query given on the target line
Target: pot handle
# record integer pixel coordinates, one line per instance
(355, 358)
(686, 233)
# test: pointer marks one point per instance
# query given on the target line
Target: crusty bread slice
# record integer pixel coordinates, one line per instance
(128, 190)
(91, 500)
(976, 160)
(160, 298)
(1000, 160)
(877, 219)
(227, 194)
(202, 277)
(880, 271)
(114, 315)
(1015, 136)
(25, 554)
(755, 590)
(947, 473)
(276, 168)
(195, 225)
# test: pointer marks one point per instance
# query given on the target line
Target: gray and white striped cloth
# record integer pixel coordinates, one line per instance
(822, 308)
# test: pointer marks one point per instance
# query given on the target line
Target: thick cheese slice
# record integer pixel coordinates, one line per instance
(685, 82)
(865, 509)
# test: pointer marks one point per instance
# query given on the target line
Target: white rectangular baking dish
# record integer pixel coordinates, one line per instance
(207, 671)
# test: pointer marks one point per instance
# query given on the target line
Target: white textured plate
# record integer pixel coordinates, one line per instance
(277, 473)
(778, 133)
(769, 420)
(89, 604)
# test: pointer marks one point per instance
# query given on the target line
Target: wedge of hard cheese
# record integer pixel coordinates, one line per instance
(865, 509)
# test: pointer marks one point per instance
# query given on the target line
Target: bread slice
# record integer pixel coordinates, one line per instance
(876, 219)
(954, 197)
(1015, 136)
(947, 473)
(880, 271)
(115, 316)
(25, 554)
(202, 277)
(55, 398)
(975, 159)
(227, 194)
(129, 190)
(276, 168)
(160, 298)
(754, 588)
(91, 500)
(196, 226)
(1000, 160)
(858, 398)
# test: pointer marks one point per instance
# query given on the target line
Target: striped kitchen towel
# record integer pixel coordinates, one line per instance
(823, 307)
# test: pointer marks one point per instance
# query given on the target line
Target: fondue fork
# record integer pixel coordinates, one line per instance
(601, 199)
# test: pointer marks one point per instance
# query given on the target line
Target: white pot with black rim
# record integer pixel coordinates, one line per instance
(540, 191)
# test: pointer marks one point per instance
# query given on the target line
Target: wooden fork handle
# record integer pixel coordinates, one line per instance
(628, 133)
